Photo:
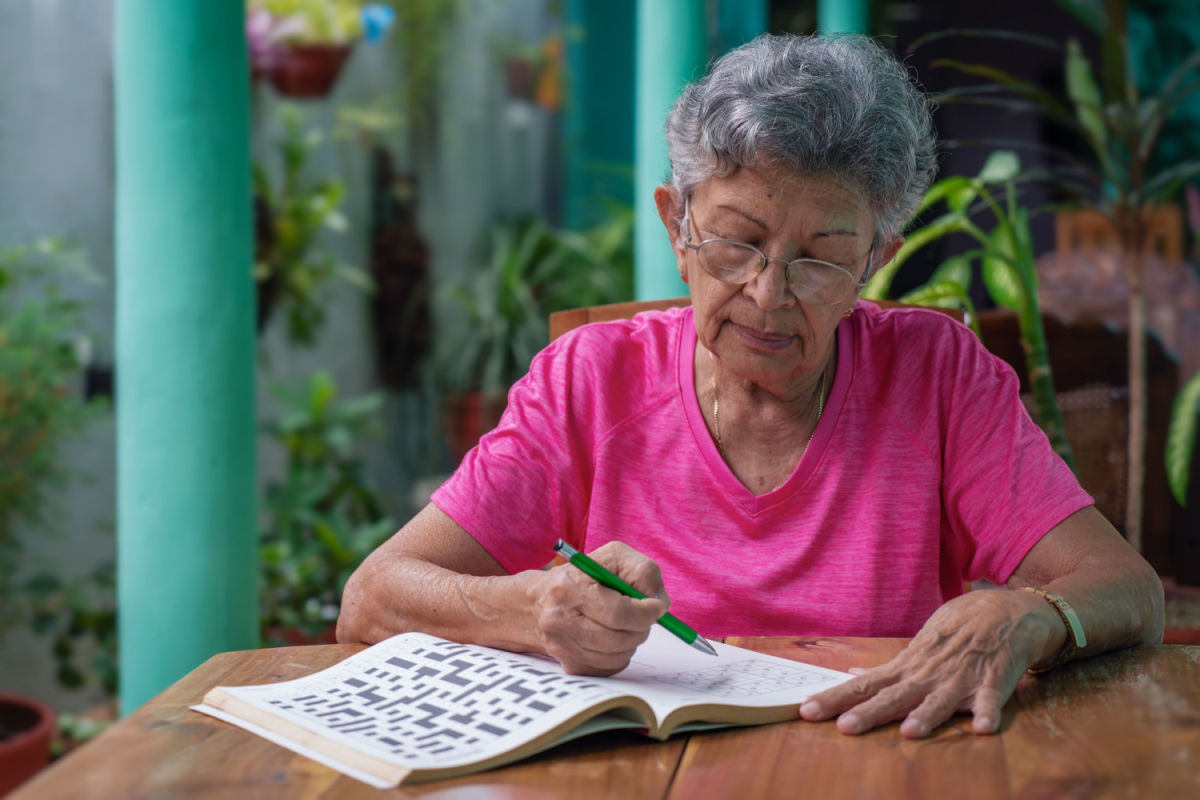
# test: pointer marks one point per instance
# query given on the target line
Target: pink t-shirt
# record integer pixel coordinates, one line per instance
(924, 471)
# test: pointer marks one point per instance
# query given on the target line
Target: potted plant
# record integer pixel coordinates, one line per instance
(290, 266)
(497, 316)
(1006, 262)
(322, 518)
(300, 46)
(1119, 125)
(41, 351)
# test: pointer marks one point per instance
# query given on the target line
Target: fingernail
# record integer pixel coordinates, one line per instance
(985, 723)
(850, 723)
(810, 708)
(917, 729)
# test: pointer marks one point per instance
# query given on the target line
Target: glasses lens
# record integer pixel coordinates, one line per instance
(729, 261)
(819, 281)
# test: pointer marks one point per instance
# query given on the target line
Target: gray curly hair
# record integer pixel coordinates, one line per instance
(841, 106)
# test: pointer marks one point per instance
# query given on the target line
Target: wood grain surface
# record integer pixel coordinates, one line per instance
(1122, 725)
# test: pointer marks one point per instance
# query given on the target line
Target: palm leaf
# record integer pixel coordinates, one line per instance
(1030, 91)
(986, 33)
(1181, 438)
(1084, 93)
(1166, 182)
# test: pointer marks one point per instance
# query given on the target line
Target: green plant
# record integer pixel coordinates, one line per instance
(1181, 438)
(41, 352)
(1119, 126)
(322, 517)
(291, 268)
(313, 21)
(501, 312)
(1006, 260)
(81, 609)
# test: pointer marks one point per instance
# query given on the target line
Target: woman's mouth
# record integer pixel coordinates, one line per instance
(763, 340)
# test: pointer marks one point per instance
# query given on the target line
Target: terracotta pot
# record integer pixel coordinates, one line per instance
(306, 70)
(467, 417)
(26, 727)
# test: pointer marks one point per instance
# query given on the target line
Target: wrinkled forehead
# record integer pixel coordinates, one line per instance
(773, 197)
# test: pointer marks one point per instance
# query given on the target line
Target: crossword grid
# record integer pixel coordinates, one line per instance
(744, 679)
(439, 703)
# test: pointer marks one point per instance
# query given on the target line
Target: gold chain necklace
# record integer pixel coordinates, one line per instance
(717, 407)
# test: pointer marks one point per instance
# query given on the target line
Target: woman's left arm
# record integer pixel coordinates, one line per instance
(972, 651)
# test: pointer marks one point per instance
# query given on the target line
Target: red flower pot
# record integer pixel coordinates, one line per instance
(26, 727)
(304, 70)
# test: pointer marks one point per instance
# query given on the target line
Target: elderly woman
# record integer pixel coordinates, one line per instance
(780, 457)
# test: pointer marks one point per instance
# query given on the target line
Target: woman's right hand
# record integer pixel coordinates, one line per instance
(589, 628)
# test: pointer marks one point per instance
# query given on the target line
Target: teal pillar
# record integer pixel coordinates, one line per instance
(186, 544)
(843, 16)
(671, 52)
(739, 21)
(598, 135)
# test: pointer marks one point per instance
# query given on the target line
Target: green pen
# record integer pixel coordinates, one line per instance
(603, 576)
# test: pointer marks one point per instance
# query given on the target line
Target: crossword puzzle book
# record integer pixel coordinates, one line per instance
(416, 707)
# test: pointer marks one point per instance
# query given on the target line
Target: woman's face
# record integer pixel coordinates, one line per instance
(760, 330)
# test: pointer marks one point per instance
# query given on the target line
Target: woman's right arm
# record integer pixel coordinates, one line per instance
(433, 576)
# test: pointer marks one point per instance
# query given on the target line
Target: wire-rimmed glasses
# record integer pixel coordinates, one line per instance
(737, 262)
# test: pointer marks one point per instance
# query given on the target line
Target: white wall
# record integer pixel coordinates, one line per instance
(56, 178)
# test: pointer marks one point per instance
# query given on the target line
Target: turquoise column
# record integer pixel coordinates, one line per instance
(186, 544)
(739, 21)
(843, 16)
(598, 122)
(671, 52)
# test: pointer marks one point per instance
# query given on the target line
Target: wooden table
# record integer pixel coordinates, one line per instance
(1122, 725)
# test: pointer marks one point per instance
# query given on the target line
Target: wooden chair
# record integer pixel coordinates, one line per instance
(1090, 365)
(563, 321)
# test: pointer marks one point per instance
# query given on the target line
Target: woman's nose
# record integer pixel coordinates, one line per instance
(769, 289)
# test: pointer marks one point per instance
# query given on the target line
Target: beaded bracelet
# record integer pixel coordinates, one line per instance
(1075, 638)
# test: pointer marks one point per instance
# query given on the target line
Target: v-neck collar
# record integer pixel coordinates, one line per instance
(751, 503)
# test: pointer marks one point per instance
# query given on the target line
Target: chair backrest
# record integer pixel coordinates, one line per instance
(563, 321)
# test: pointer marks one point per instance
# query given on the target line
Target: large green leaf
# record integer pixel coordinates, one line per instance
(944, 294)
(1001, 166)
(999, 273)
(956, 268)
(1181, 438)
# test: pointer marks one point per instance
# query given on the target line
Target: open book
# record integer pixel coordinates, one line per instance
(416, 707)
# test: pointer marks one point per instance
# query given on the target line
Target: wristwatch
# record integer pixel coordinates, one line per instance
(1075, 638)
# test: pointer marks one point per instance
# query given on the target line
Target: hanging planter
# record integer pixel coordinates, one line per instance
(26, 727)
(306, 71)
(300, 46)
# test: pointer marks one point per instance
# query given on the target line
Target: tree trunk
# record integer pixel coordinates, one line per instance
(1134, 261)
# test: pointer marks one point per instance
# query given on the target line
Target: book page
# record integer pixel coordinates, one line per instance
(668, 674)
(428, 704)
(425, 703)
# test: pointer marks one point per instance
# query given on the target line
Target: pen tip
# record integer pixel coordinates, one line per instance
(701, 644)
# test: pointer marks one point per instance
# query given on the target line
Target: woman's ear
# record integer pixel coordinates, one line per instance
(670, 211)
(888, 253)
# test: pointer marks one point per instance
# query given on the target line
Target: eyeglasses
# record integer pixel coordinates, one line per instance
(731, 261)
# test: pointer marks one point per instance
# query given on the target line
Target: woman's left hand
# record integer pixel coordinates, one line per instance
(967, 657)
